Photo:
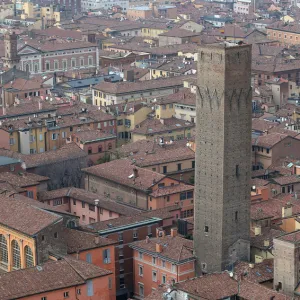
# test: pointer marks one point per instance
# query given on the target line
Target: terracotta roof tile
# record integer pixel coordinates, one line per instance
(213, 286)
(176, 249)
(151, 126)
(129, 87)
(67, 152)
(17, 214)
(283, 180)
(77, 241)
(59, 274)
(121, 171)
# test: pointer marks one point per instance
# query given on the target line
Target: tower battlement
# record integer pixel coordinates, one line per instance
(222, 53)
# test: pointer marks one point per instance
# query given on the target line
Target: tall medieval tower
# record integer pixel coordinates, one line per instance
(11, 58)
(223, 157)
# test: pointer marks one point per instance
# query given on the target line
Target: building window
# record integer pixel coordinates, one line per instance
(57, 202)
(64, 65)
(206, 229)
(16, 255)
(109, 283)
(141, 289)
(55, 235)
(99, 149)
(120, 237)
(109, 146)
(140, 255)
(54, 136)
(90, 150)
(154, 276)
(193, 164)
(55, 65)
(178, 167)
(173, 268)
(47, 66)
(163, 279)
(78, 291)
(73, 62)
(30, 194)
(283, 189)
(90, 61)
(141, 271)
(11, 141)
(163, 263)
(88, 258)
(106, 256)
(110, 214)
(66, 294)
(237, 171)
(154, 260)
(236, 216)
(164, 169)
(91, 207)
(28, 257)
(3, 252)
(81, 62)
(44, 298)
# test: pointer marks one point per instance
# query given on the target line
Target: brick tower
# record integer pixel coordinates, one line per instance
(11, 58)
(223, 157)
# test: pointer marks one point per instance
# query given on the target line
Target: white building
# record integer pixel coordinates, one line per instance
(242, 7)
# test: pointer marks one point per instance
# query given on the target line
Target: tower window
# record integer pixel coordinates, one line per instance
(206, 229)
(237, 170)
(236, 216)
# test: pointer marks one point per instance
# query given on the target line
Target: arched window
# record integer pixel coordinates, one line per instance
(99, 149)
(36, 68)
(3, 252)
(109, 146)
(27, 68)
(16, 255)
(90, 150)
(28, 257)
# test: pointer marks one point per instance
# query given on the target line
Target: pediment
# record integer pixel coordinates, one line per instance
(25, 50)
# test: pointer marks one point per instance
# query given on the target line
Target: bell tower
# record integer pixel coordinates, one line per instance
(223, 157)
(11, 58)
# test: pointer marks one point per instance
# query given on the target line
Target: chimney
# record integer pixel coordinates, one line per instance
(287, 210)
(257, 230)
(135, 173)
(96, 202)
(97, 240)
(40, 105)
(266, 243)
(160, 232)
(251, 265)
(147, 239)
(159, 248)
(174, 232)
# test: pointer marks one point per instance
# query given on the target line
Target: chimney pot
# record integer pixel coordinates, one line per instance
(97, 240)
(174, 232)
(159, 248)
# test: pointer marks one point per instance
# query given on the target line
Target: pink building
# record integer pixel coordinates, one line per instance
(95, 143)
(86, 205)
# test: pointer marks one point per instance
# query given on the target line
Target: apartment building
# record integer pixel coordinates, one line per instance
(59, 279)
(125, 230)
(176, 159)
(106, 93)
(169, 129)
(161, 260)
(122, 180)
(286, 33)
(42, 127)
(87, 206)
(95, 143)
(270, 147)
